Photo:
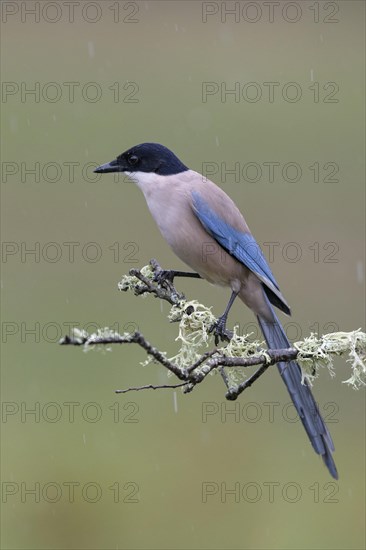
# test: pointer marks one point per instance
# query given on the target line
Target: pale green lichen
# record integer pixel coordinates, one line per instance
(241, 346)
(195, 321)
(79, 335)
(151, 360)
(315, 353)
(99, 340)
(95, 340)
(132, 283)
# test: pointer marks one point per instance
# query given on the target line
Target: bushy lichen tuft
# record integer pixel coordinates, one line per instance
(241, 346)
(316, 353)
(195, 321)
(132, 283)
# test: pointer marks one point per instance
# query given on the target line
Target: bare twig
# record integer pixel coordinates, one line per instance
(233, 393)
(151, 387)
(105, 338)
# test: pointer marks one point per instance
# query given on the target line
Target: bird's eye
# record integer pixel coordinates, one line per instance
(133, 159)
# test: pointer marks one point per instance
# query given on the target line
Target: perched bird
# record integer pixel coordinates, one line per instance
(206, 230)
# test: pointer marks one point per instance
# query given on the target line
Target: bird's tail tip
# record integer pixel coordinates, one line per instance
(301, 395)
(329, 462)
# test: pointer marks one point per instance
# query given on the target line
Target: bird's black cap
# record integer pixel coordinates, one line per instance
(146, 157)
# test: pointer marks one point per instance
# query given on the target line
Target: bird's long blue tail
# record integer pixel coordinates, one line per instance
(301, 395)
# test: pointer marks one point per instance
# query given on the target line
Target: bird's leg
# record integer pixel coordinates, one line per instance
(219, 328)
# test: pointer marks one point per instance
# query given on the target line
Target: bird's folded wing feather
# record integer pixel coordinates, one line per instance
(237, 242)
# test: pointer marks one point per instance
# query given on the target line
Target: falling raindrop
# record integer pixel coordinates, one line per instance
(360, 272)
(91, 49)
(175, 402)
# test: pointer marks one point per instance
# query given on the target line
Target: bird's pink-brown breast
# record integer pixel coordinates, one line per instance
(190, 241)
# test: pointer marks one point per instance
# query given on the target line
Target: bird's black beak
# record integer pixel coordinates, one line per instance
(113, 166)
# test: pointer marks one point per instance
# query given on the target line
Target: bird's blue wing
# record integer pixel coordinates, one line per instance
(242, 246)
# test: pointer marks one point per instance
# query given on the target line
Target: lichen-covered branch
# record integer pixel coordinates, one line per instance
(192, 363)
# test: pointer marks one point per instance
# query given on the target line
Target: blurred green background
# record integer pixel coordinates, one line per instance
(155, 447)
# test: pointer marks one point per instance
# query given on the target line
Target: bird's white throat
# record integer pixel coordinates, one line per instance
(143, 179)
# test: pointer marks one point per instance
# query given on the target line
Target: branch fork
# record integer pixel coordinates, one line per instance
(191, 366)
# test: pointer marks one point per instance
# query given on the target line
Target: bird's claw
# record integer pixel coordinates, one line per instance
(220, 331)
(164, 276)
